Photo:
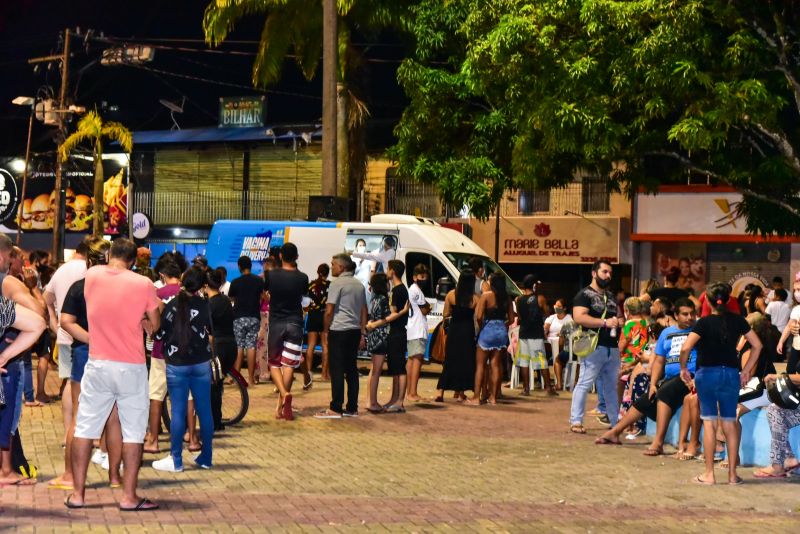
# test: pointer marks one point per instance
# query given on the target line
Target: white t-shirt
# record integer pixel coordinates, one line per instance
(364, 270)
(381, 256)
(417, 327)
(59, 285)
(795, 316)
(779, 313)
(556, 324)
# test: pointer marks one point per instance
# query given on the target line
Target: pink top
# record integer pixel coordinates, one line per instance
(116, 303)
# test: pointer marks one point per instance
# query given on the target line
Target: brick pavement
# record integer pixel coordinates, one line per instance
(438, 468)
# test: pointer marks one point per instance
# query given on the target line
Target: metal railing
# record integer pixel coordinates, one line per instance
(587, 197)
(203, 208)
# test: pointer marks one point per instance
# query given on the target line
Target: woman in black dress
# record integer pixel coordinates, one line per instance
(458, 371)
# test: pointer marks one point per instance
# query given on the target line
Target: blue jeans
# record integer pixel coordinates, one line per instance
(9, 415)
(27, 365)
(601, 400)
(180, 380)
(718, 392)
(602, 364)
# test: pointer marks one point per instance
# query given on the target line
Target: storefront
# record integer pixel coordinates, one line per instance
(558, 249)
(699, 230)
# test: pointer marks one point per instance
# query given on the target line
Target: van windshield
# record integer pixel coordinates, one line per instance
(461, 261)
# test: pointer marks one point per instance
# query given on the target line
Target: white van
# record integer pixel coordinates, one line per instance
(418, 240)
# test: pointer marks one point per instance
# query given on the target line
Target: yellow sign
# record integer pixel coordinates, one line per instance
(551, 239)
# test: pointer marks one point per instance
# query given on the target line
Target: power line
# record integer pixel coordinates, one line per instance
(225, 84)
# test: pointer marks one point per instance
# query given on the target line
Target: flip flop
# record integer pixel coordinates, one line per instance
(309, 385)
(34, 404)
(577, 429)
(151, 451)
(763, 474)
(114, 486)
(374, 411)
(685, 456)
(60, 485)
(68, 503)
(698, 480)
(738, 482)
(145, 505)
(653, 452)
(395, 409)
(606, 441)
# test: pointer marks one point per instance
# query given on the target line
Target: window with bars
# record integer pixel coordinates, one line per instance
(531, 201)
(595, 196)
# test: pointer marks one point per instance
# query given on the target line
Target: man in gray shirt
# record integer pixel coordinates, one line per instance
(346, 325)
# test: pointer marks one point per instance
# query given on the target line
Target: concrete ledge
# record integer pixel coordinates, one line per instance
(756, 438)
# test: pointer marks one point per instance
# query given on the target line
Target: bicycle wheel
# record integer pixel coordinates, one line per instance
(235, 399)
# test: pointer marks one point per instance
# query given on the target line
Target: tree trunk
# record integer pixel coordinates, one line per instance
(342, 143)
(99, 204)
(330, 62)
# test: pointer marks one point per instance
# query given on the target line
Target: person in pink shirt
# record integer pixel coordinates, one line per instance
(119, 303)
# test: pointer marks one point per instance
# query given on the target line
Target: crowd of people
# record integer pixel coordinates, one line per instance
(650, 354)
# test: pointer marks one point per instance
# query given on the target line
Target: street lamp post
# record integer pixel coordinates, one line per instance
(25, 101)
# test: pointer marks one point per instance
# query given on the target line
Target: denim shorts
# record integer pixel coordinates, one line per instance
(718, 392)
(494, 335)
(80, 355)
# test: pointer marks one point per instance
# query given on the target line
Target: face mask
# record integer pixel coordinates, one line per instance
(603, 283)
(360, 249)
(559, 310)
(797, 296)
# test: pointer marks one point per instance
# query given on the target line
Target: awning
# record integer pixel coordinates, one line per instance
(307, 132)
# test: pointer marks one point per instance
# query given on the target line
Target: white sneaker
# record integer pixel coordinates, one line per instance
(105, 463)
(99, 457)
(167, 464)
(198, 464)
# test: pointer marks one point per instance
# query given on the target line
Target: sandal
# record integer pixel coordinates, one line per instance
(144, 505)
(683, 456)
(308, 385)
(605, 441)
(761, 473)
(654, 452)
(698, 480)
(577, 429)
(68, 503)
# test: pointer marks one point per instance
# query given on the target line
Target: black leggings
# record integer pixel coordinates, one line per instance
(791, 363)
(225, 350)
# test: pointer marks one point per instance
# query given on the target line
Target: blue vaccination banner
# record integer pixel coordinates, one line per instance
(229, 240)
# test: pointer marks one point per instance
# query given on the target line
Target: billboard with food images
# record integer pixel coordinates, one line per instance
(35, 212)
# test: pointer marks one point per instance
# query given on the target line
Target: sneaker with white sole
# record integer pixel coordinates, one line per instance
(349, 414)
(167, 464)
(105, 463)
(201, 466)
(99, 457)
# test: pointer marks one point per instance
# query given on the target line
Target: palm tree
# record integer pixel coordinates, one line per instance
(295, 27)
(92, 130)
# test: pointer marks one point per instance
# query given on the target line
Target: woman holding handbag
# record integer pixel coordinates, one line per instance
(223, 342)
(458, 369)
(185, 329)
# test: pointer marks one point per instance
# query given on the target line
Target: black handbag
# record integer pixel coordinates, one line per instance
(217, 375)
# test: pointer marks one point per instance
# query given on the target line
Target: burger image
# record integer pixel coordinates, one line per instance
(82, 207)
(24, 219)
(42, 217)
(69, 212)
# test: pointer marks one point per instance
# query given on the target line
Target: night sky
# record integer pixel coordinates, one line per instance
(31, 28)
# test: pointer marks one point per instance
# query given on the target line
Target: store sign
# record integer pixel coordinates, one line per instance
(241, 112)
(9, 196)
(140, 224)
(689, 211)
(552, 239)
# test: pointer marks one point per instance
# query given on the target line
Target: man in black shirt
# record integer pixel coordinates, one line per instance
(246, 293)
(287, 286)
(397, 319)
(595, 308)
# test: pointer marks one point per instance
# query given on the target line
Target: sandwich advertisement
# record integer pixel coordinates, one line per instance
(36, 211)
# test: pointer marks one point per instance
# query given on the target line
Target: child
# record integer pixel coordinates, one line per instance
(794, 318)
(417, 331)
(633, 382)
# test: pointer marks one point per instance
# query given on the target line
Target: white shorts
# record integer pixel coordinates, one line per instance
(158, 380)
(64, 360)
(759, 402)
(107, 382)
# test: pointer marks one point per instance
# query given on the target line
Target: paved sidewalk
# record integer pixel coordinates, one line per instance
(513, 467)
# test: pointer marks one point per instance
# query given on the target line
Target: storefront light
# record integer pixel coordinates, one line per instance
(176, 232)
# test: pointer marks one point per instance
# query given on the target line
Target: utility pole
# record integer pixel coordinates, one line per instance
(58, 223)
(329, 97)
(25, 172)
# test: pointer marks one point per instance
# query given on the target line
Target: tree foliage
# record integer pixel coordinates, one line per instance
(510, 93)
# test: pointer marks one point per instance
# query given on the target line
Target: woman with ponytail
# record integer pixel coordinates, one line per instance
(185, 331)
(718, 379)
